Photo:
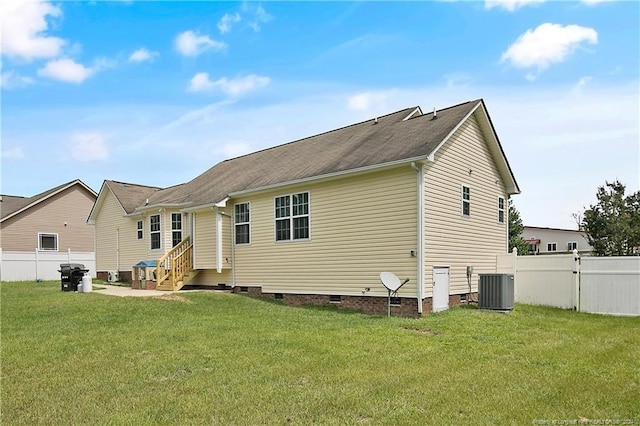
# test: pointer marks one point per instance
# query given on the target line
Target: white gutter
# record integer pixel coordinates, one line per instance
(233, 249)
(331, 175)
(420, 231)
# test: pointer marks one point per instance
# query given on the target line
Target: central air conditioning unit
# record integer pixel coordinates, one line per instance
(112, 276)
(495, 291)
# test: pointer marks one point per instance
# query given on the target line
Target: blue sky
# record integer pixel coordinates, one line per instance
(157, 92)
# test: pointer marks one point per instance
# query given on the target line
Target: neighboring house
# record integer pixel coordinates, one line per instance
(54, 221)
(316, 220)
(555, 240)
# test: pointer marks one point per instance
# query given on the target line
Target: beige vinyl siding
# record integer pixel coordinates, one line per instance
(360, 226)
(71, 206)
(205, 239)
(204, 254)
(451, 239)
(210, 277)
(117, 244)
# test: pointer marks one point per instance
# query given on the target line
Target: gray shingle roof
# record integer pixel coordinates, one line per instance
(11, 204)
(131, 195)
(366, 144)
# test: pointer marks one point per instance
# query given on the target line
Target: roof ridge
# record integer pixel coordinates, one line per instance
(318, 134)
(134, 184)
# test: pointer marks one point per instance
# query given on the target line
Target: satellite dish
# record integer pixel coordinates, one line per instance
(392, 283)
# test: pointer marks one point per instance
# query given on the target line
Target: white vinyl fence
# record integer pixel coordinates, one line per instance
(610, 285)
(604, 285)
(38, 265)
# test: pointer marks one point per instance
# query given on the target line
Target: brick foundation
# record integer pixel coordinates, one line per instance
(408, 307)
(149, 285)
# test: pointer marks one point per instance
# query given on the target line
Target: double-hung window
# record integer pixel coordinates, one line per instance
(242, 223)
(154, 231)
(466, 201)
(572, 245)
(176, 228)
(552, 247)
(500, 210)
(48, 242)
(292, 217)
(140, 227)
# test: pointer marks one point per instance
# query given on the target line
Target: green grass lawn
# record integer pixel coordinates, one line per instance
(213, 358)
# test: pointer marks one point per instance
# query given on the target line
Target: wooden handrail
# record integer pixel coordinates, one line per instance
(175, 264)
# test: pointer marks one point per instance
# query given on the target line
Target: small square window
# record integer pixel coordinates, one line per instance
(335, 298)
(244, 289)
(552, 247)
(48, 242)
(278, 296)
(572, 245)
(396, 301)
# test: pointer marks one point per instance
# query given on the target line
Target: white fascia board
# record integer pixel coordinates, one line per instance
(98, 203)
(53, 194)
(140, 210)
(417, 110)
(432, 155)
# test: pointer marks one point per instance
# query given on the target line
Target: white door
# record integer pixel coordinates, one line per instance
(440, 288)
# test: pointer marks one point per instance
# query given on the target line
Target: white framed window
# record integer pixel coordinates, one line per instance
(242, 219)
(572, 245)
(552, 247)
(47, 242)
(466, 201)
(500, 210)
(154, 231)
(292, 217)
(140, 227)
(176, 228)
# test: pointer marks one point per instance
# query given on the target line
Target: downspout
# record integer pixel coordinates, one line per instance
(233, 249)
(420, 234)
(218, 239)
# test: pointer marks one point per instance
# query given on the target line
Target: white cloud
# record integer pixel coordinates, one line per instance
(510, 5)
(11, 80)
(142, 55)
(260, 16)
(67, 70)
(24, 30)
(547, 44)
(367, 101)
(230, 86)
(580, 86)
(189, 43)
(227, 21)
(15, 153)
(88, 147)
(200, 83)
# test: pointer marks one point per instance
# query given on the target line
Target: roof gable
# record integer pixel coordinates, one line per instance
(128, 195)
(11, 206)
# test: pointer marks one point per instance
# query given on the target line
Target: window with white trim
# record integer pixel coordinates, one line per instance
(500, 210)
(292, 217)
(572, 245)
(140, 227)
(47, 242)
(154, 231)
(552, 247)
(466, 201)
(242, 223)
(176, 228)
